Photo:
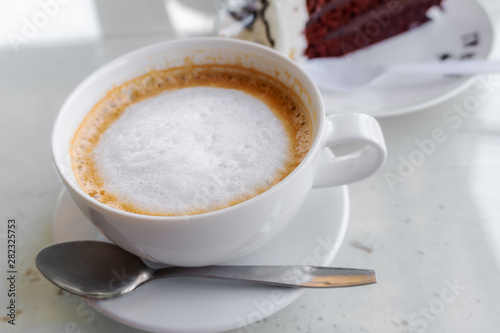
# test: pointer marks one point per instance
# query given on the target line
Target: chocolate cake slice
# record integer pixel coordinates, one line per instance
(305, 29)
(338, 27)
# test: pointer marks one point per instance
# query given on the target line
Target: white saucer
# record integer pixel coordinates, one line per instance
(451, 32)
(198, 305)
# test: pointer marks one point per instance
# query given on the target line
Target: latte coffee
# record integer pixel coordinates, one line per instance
(190, 140)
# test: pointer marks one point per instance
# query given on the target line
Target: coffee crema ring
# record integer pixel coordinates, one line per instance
(288, 114)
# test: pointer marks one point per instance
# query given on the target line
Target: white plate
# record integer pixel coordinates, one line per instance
(451, 32)
(198, 305)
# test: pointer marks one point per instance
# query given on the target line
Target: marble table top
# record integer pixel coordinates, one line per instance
(432, 235)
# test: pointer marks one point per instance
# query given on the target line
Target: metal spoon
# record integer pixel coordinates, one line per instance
(103, 270)
(341, 75)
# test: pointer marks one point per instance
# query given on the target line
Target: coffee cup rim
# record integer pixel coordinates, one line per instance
(319, 111)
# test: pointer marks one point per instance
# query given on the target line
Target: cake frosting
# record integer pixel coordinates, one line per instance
(269, 23)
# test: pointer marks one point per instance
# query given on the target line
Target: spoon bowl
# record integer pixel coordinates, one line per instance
(93, 269)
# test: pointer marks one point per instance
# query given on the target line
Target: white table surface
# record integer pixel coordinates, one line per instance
(438, 228)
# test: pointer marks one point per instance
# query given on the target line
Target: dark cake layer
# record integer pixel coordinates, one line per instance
(338, 27)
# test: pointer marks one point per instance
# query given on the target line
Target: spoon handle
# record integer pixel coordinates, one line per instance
(448, 67)
(289, 276)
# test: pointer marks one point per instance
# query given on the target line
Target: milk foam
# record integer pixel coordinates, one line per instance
(192, 149)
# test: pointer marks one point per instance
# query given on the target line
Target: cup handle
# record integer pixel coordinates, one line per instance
(350, 128)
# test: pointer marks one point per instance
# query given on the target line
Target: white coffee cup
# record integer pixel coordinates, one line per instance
(217, 236)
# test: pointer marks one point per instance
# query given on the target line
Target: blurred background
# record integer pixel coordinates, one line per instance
(41, 23)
